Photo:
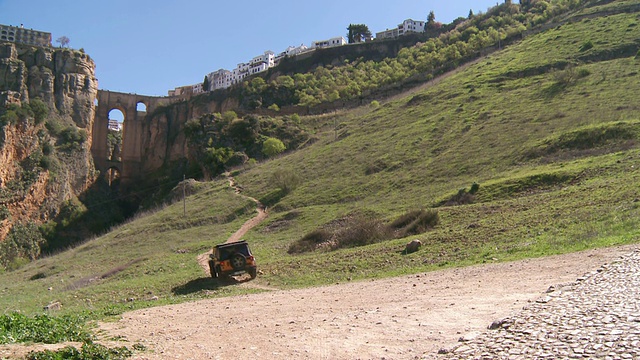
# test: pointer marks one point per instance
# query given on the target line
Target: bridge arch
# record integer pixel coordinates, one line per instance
(128, 165)
(141, 106)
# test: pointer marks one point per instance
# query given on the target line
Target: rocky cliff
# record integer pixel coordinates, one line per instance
(44, 162)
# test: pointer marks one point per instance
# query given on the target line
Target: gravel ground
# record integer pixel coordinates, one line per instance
(595, 317)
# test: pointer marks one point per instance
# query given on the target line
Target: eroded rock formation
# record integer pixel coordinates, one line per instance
(65, 81)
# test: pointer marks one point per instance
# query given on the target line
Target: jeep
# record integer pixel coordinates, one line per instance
(232, 259)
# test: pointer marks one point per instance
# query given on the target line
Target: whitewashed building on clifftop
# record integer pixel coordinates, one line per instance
(407, 26)
(333, 42)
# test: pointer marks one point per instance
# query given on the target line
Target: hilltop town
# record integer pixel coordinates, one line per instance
(222, 79)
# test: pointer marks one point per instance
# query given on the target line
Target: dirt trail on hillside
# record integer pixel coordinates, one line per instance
(400, 318)
(203, 259)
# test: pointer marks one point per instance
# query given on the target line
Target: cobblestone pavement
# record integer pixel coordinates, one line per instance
(596, 317)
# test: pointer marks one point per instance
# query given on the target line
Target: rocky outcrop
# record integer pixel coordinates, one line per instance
(65, 81)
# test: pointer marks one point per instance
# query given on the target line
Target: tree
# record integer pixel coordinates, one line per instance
(431, 21)
(206, 84)
(470, 14)
(358, 33)
(63, 41)
(272, 147)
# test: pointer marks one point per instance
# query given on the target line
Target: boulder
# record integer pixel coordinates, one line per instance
(413, 246)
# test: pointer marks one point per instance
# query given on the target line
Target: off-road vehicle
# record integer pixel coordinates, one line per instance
(232, 259)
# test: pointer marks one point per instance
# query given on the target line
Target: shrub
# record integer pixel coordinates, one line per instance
(415, 222)
(375, 104)
(426, 220)
(46, 162)
(274, 107)
(192, 128)
(295, 118)
(89, 350)
(23, 242)
(474, 188)
(20, 328)
(47, 148)
(40, 110)
(4, 212)
(272, 147)
(461, 198)
(72, 138)
(8, 118)
(586, 46)
(405, 219)
(229, 116)
(54, 127)
(359, 231)
(310, 242)
(285, 180)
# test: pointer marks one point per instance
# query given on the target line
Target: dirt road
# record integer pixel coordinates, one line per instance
(203, 259)
(400, 318)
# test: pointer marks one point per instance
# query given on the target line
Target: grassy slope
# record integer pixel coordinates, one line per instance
(480, 124)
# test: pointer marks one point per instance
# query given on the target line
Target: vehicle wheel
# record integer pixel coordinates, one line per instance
(238, 261)
(212, 269)
(253, 272)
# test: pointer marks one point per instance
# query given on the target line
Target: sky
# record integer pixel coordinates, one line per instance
(149, 47)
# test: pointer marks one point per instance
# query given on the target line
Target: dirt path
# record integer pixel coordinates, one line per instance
(203, 259)
(398, 318)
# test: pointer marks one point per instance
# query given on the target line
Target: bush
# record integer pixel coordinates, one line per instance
(47, 148)
(229, 116)
(375, 104)
(274, 107)
(40, 110)
(295, 118)
(72, 138)
(415, 222)
(19, 328)
(8, 118)
(310, 242)
(272, 147)
(89, 350)
(4, 212)
(359, 231)
(461, 198)
(285, 180)
(23, 242)
(586, 46)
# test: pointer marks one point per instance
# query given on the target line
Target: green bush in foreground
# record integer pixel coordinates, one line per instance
(19, 328)
(88, 351)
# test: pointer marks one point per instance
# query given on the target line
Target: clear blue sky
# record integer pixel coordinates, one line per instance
(148, 47)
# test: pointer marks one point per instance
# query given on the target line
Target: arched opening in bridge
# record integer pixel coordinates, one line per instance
(115, 135)
(141, 107)
(113, 176)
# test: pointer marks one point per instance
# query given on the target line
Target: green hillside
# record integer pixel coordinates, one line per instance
(548, 127)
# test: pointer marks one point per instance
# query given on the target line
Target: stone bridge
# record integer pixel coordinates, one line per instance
(124, 164)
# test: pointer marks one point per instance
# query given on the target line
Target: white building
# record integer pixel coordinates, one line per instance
(291, 51)
(115, 125)
(388, 34)
(407, 26)
(220, 79)
(262, 62)
(333, 42)
(197, 88)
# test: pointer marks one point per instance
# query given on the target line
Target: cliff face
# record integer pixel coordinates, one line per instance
(64, 80)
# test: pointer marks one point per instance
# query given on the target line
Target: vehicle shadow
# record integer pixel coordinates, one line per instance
(207, 283)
